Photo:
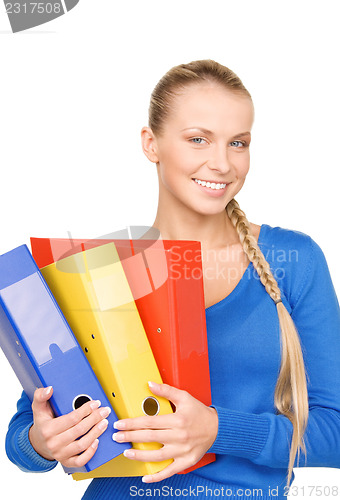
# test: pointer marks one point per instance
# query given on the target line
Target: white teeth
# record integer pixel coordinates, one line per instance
(211, 185)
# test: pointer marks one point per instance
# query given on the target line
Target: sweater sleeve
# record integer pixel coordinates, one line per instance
(18, 447)
(265, 438)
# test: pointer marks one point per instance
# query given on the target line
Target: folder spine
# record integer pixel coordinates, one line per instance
(16, 355)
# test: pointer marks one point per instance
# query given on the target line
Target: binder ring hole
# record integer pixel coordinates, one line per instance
(80, 401)
(150, 406)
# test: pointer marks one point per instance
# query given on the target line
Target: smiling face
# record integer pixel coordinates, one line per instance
(204, 139)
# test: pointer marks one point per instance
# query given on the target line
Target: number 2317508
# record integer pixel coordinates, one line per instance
(33, 8)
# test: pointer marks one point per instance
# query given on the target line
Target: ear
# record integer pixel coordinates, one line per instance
(149, 144)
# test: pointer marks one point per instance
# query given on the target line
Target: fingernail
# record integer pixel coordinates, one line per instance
(47, 390)
(129, 453)
(105, 412)
(118, 437)
(95, 404)
(95, 443)
(119, 425)
(146, 479)
(103, 424)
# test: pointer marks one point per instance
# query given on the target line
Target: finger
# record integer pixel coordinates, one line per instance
(83, 458)
(175, 467)
(65, 422)
(155, 422)
(167, 452)
(146, 436)
(84, 426)
(40, 406)
(79, 446)
(169, 392)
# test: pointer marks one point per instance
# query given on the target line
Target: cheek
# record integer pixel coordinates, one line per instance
(242, 164)
(170, 157)
(176, 161)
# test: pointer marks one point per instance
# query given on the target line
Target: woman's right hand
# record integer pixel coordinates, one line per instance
(56, 438)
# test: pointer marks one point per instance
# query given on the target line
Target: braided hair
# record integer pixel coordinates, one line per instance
(291, 397)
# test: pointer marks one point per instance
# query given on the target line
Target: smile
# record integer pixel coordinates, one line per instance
(211, 185)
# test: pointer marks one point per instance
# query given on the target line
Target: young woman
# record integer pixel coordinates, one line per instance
(273, 323)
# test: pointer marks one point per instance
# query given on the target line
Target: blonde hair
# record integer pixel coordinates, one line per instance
(291, 396)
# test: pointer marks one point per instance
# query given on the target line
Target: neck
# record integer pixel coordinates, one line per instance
(212, 231)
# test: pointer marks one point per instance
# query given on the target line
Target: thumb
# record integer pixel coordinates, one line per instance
(40, 405)
(169, 392)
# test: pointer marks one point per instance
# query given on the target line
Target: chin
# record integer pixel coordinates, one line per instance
(211, 211)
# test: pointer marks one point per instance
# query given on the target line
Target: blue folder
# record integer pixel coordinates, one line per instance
(42, 350)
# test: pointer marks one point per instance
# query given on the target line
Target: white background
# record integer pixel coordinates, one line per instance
(74, 95)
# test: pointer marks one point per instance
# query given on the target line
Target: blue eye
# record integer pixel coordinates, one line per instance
(197, 140)
(238, 144)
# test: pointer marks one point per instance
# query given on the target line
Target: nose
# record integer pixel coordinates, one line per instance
(220, 160)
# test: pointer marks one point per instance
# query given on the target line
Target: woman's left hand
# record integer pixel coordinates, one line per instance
(186, 434)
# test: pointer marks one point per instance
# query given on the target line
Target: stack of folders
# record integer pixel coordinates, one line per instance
(157, 281)
(42, 349)
(92, 290)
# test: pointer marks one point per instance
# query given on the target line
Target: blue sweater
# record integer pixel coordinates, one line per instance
(252, 444)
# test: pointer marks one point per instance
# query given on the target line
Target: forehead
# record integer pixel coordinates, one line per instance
(211, 106)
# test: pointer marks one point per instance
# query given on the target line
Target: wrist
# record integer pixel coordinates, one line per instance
(34, 441)
(213, 425)
(28, 457)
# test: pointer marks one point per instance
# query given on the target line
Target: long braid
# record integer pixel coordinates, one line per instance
(291, 396)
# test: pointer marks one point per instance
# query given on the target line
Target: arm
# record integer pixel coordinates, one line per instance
(265, 438)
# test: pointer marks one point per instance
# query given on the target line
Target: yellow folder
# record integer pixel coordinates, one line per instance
(93, 293)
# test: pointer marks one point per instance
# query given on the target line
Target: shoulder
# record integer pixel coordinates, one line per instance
(282, 237)
(292, 256)
(282, 244)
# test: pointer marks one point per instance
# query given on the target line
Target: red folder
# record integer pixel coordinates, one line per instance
(166, 280)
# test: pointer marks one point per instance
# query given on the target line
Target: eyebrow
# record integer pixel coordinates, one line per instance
(206, 131)
(243, 134)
